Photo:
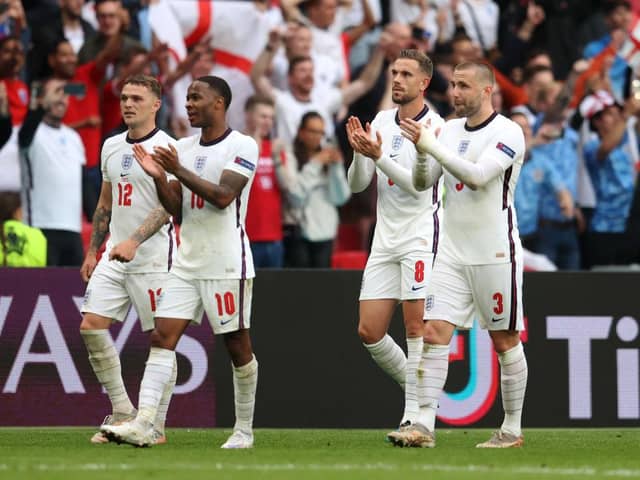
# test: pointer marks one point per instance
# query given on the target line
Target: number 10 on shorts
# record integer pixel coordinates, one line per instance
(226, 303)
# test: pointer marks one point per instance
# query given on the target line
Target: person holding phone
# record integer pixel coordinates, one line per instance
(53, 156)
(83, 112)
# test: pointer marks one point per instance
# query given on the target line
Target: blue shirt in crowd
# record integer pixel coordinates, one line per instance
(613, 180)
(562, 154)
(536, 172)
(618, 70)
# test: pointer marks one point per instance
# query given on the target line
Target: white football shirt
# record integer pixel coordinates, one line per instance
(213, 241)
(134, 196)
(404, 224)
(481, 225)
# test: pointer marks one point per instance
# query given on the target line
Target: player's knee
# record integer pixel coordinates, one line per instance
(94, 322)
(369, 335)
(162, 339)
(431, 335)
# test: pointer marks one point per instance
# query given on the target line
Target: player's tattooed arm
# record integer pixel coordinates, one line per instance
(154, 221)
(125, 251)
(101, 220)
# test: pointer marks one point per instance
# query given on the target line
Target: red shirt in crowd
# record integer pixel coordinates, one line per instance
(111, 115)
(264, 212)
(18, 96)
(81, 108)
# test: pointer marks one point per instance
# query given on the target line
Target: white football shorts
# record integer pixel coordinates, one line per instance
(110, 292)
(493, 292)
(227, 303)
(401, 277)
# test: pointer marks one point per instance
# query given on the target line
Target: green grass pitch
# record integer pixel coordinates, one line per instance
(65, 453)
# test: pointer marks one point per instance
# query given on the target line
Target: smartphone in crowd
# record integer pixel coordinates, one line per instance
(75, 89)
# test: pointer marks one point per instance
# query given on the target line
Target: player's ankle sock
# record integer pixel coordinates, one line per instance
(245, 381)
(389, 357)
(432, 375)
(513, 383)
(163, 406)
(105, 362)
(414, 355)
(157, 375)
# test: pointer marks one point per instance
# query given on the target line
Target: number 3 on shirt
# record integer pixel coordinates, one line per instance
(125, 190)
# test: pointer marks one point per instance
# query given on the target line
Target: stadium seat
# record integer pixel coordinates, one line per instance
(348, 237)
(349, 259)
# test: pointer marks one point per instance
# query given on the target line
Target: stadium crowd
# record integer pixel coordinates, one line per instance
(567, 72)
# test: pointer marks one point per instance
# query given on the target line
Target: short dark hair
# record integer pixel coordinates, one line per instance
(424, 62)
(56, 43)
(258, 99)
(293, 63)
(610, 5)
(145, 81)
(9, 203)
(309, 116)
(531, 72)
(220, 85)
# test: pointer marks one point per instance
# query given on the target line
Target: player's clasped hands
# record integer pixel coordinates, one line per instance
(157, 163)
(146, 161)
(422, 136)
(361, 140)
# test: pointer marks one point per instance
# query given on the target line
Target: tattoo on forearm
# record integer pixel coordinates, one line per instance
(154, 221)
(101, 219)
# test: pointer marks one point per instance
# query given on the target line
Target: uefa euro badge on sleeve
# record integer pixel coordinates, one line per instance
(199, 164)
(396, 142)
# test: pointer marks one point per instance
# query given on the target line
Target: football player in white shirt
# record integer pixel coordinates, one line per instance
(213, 272)
(139, 252)
(408, 224)
(479, 264)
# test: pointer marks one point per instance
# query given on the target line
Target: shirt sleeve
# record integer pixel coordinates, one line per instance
(245, 159)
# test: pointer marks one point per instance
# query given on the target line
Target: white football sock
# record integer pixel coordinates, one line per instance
(156, 377)
(105, 362)
(245, 381)
(432, 376)
(163, 406)
(513, 383)
(390, 358)
(414, 354)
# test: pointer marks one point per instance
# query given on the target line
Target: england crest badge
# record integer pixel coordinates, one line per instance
(463, 147)
(396, 142)
(199, 163)
(127, 161)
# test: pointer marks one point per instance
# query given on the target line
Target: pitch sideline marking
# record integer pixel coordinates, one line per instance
(524, 470)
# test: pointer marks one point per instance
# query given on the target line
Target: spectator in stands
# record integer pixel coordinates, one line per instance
(536, 172)
(264, 211)
(52, 24)
(53, 156)
(618, 18)
(83, 112)
(559, 220)
(13, 20)
(315, 184)
(20, 245)
(611, 160)
(113, 21)
(537, 81)
(302, 96)
(16, 94)
(298, 43)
